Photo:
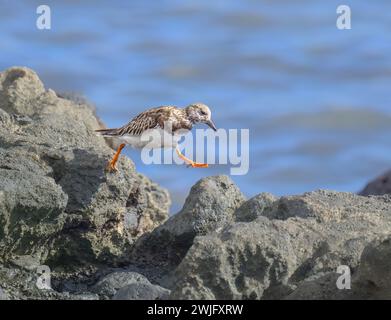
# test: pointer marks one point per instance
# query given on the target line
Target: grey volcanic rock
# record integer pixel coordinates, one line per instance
(326, 206)
(58, 207)
(379, 186)
(321, 288)
(3, 295)
(373, 279)
(296, 239)
(142, 291)
(209, 207)
(20, 284)
(128, 285)
(19, 89)
(375, 262)
(56, 202)
(111, 283)
(255, 207)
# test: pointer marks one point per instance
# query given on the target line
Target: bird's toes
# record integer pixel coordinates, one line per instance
(111, 168)
(198, 165)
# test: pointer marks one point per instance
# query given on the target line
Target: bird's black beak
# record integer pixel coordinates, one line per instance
(211, 124)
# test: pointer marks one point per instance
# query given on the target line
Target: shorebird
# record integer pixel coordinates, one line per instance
(166, 119)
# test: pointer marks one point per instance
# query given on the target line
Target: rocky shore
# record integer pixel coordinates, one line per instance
(109, 236)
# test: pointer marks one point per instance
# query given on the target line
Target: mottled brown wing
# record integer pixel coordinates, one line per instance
(150, 119)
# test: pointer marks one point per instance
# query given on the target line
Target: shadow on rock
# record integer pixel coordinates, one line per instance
(80, 174)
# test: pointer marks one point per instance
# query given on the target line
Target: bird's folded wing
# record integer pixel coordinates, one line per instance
(150, 119)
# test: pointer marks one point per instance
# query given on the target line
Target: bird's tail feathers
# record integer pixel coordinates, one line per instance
(107, 132)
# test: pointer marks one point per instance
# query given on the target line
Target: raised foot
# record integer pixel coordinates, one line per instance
(191, 163)
(198, 165)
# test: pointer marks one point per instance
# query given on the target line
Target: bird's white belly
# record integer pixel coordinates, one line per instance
(151, 139)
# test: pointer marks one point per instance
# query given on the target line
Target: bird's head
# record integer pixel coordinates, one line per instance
(200, 113)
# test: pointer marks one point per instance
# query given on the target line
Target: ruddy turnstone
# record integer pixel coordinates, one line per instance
(166, 119)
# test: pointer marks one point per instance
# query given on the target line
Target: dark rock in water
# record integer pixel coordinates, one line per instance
(379, 186)
(56, 202)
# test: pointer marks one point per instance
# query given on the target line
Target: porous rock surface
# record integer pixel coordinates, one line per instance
(108, 236)
(58, 206)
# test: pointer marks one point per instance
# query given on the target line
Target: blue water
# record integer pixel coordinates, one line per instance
(316, 99)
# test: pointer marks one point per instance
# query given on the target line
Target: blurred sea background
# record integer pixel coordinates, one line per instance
(315, 99)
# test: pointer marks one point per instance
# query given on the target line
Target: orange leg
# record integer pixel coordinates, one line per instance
(111, 166)
(191, 162)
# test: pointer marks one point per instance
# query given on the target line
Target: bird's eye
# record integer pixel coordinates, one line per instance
(203, 113)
